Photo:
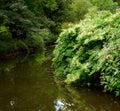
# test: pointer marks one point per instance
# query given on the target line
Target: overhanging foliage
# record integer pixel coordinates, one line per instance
(90, 51)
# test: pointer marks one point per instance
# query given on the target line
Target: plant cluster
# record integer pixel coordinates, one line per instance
(88, 53)
(9, 45)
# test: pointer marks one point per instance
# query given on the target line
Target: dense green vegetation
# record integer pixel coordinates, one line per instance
(19, 28)
(88, 53)
(30, 24)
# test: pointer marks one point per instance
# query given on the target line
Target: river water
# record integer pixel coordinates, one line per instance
(28, 84)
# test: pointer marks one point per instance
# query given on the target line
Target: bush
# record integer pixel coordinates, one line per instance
(89, 51)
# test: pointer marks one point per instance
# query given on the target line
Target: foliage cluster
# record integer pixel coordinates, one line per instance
(18, 18)
(9, 45)
(51, 14)
(27, 18)
(28, 21)
(79, 8)
(19, 28)
(89, 52)
(105, 4)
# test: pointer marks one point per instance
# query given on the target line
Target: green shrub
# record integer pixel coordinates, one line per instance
(5, 35)
(90, 50)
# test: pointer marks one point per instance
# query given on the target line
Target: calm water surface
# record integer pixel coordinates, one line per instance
(27, 84)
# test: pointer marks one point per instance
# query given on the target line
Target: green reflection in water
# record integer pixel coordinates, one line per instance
(85, 99)
(27, 84)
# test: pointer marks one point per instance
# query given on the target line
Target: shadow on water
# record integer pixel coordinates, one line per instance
(27, 84)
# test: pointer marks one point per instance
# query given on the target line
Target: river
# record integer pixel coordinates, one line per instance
(28, 84)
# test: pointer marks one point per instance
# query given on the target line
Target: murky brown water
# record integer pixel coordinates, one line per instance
(27, 84)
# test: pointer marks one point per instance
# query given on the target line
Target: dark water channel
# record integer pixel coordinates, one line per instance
(27, 84)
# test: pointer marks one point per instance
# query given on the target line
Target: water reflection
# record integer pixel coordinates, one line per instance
(62, 105)
(12, 103)
(88, 100)
(28, 85)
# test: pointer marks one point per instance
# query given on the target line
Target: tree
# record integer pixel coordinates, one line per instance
(50, 12)
(18, 18)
